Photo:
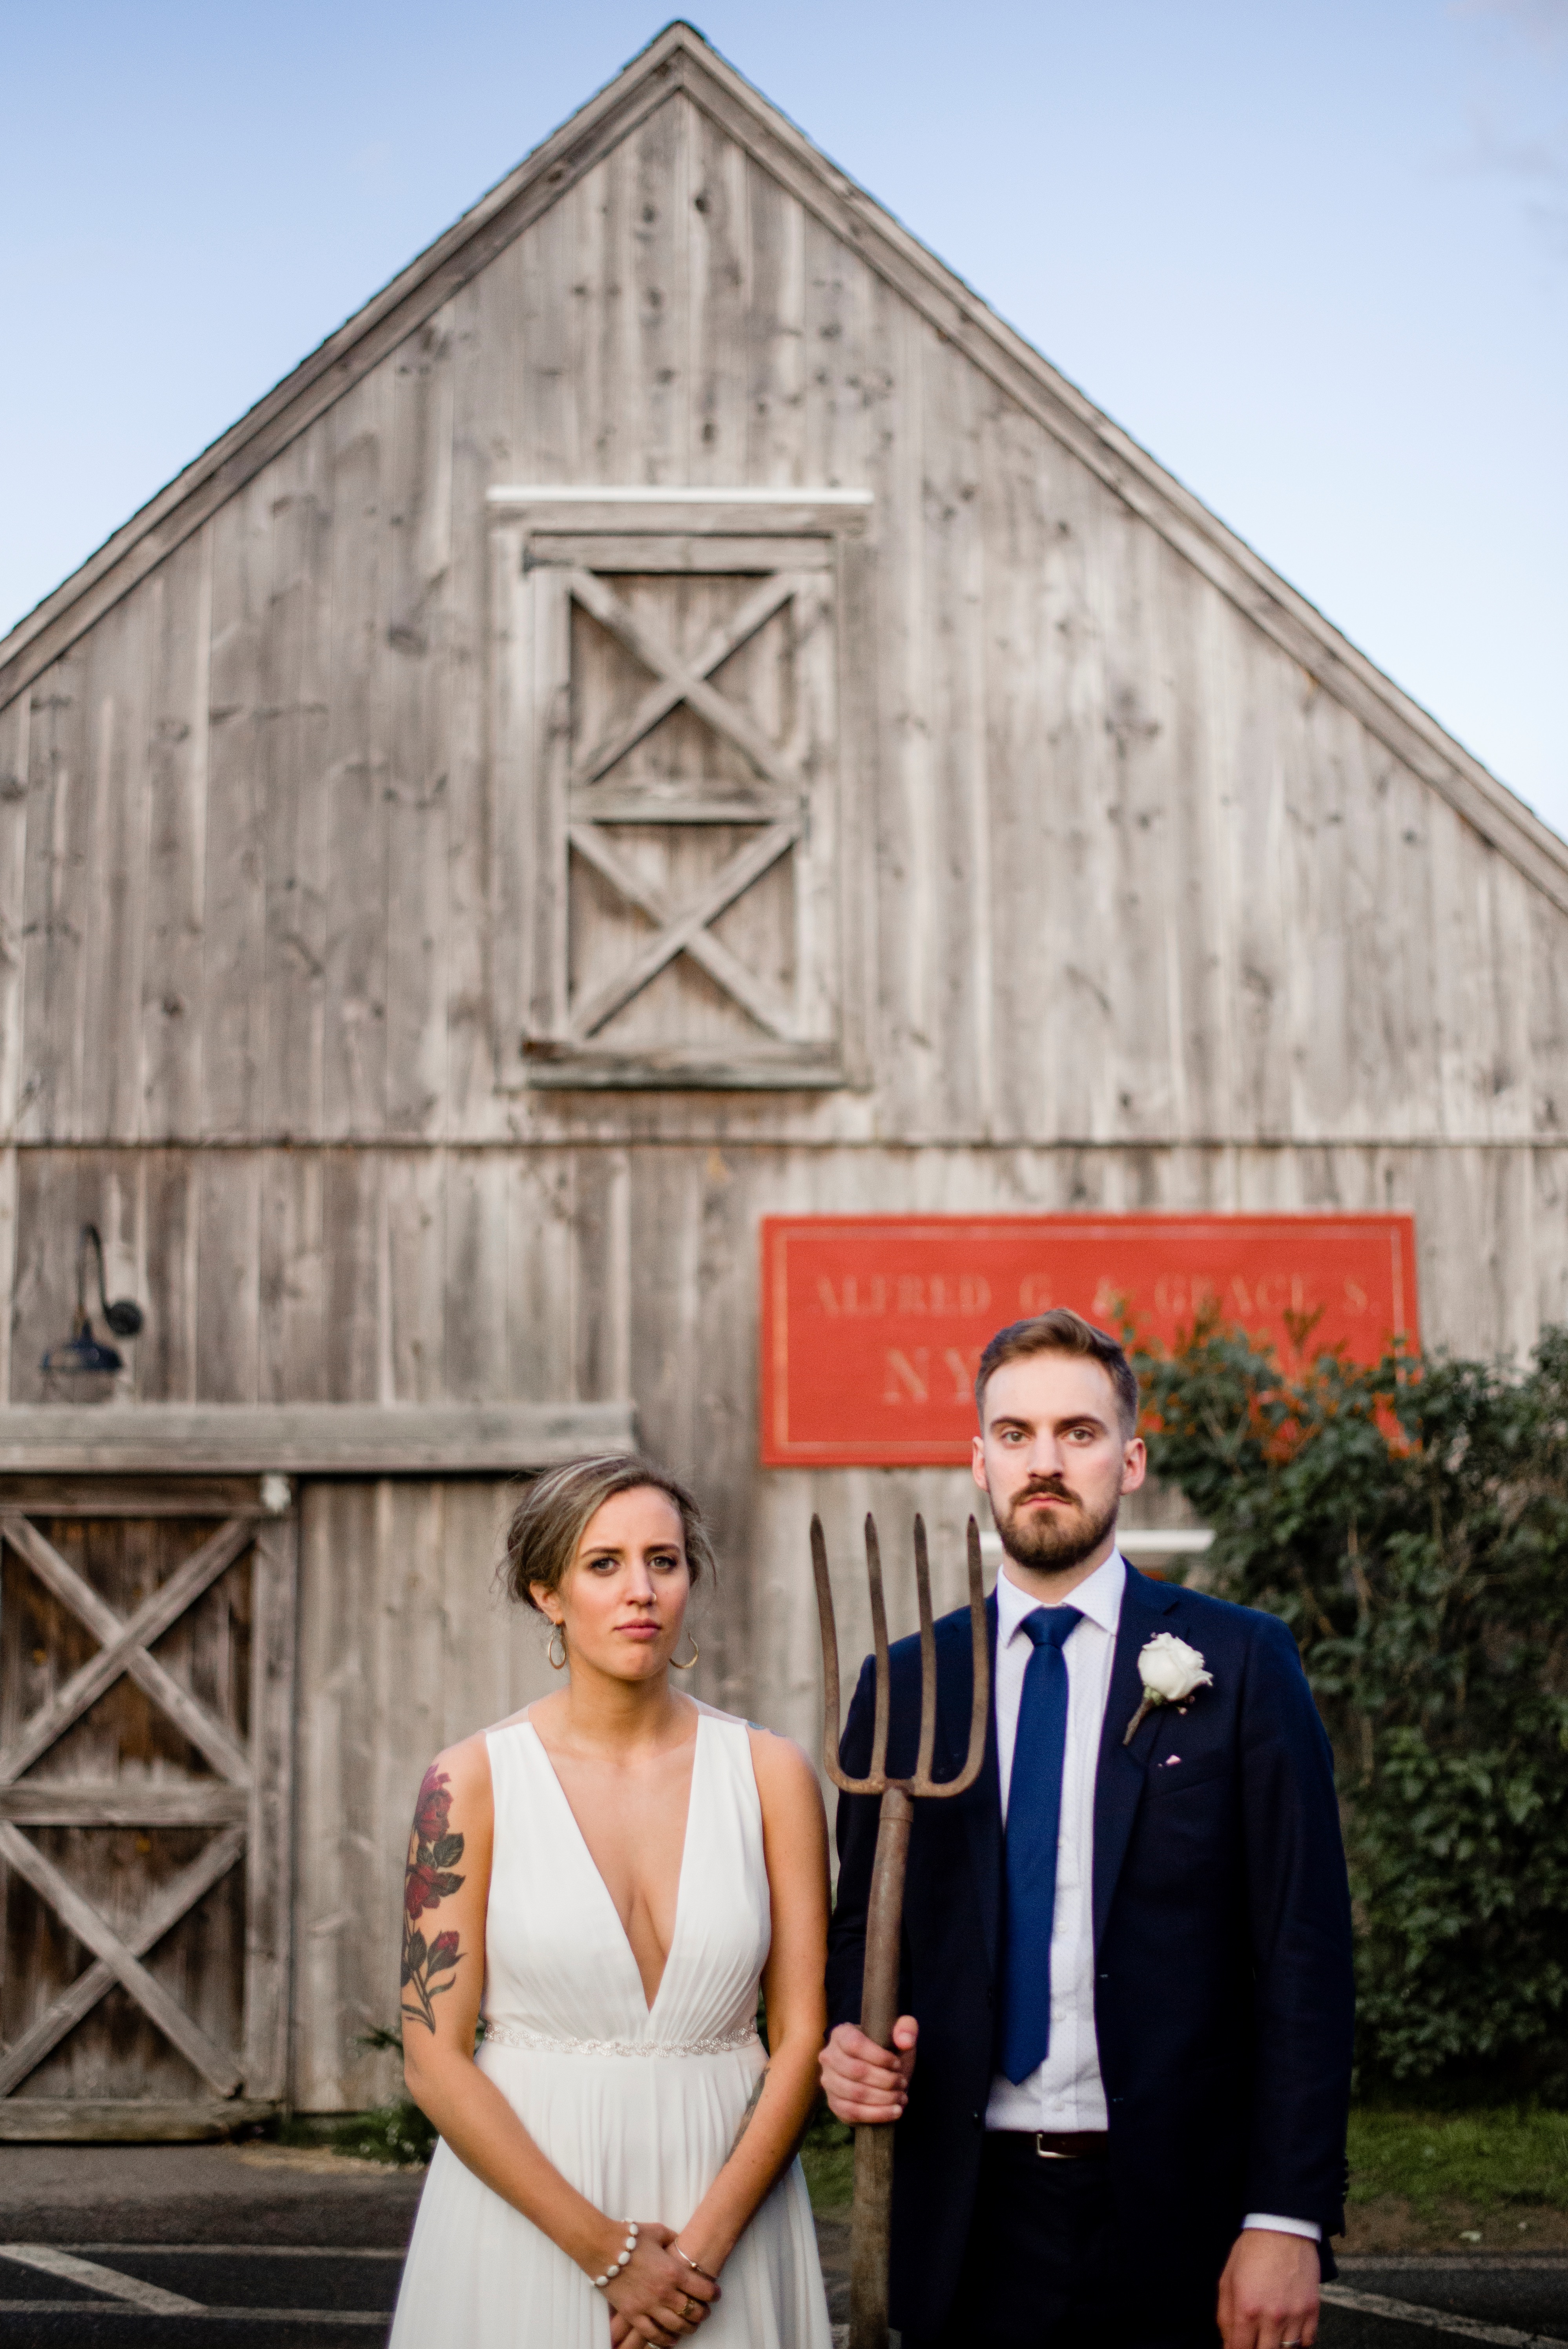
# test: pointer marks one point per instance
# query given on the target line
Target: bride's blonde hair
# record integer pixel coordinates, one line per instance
(557, 1508)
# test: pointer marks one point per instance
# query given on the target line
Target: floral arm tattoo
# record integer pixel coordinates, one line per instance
(434, 1853)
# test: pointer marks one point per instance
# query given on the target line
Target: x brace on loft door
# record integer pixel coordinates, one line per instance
(685, 929)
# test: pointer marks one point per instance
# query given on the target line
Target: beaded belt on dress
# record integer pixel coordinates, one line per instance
(507, 2036)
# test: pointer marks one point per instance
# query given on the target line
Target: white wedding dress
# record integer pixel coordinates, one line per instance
(638, 2106)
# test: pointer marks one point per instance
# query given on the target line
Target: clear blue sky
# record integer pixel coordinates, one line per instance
(1314, 255)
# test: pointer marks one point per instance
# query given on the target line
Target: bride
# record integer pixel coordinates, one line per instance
(603, 1881)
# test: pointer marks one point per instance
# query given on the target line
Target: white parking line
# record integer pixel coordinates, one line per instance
(1437, 2320)
(49, 2261)
(104, 2311)
(261, 2251)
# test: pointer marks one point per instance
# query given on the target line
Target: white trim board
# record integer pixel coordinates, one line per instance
(341, 1439)
(1138, 1541)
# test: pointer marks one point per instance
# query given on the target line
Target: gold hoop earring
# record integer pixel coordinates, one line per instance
(695, 1652)
(557, 1664)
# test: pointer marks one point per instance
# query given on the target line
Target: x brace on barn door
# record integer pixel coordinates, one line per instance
(231, 1805)
(685, 929)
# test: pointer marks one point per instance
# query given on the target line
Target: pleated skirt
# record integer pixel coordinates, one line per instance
(642, 2137)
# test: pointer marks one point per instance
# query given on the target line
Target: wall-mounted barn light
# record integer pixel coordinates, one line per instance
(81, 1364)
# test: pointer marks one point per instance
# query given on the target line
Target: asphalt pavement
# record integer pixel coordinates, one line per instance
(264, 2246)
(256, 2246)
(1511, 2299)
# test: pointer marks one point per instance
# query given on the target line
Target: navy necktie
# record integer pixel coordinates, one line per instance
(1034, 1815)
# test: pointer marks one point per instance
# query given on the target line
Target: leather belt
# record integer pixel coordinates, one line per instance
(1059, 2144)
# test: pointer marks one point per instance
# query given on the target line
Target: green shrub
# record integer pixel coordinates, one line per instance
(398, 2132)
(1411, 1523)
(828, 2159)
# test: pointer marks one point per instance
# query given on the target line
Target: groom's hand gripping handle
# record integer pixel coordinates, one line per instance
(863, 2082)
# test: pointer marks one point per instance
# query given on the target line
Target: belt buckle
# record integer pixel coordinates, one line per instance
(1044, 2152)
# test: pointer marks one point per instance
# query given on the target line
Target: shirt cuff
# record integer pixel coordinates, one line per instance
(1266, 2220)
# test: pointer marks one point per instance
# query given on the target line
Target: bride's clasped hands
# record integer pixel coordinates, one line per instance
(659, 2291)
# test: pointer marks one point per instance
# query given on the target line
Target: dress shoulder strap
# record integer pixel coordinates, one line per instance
(515, 1755)
(729, 1744)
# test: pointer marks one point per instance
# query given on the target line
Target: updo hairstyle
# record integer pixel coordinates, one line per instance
(556, 1509)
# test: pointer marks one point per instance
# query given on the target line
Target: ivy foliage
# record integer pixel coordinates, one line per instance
(1409, 1522)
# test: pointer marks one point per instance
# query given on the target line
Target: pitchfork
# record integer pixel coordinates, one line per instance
(872, 2215)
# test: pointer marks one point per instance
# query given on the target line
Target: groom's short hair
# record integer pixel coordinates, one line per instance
(1061, 1331)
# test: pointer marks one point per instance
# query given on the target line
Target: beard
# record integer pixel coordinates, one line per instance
(1053, 1541)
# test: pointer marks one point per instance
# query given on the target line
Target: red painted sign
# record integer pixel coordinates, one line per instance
(872, 1326)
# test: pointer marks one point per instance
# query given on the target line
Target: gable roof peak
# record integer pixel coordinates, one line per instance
(681, 56)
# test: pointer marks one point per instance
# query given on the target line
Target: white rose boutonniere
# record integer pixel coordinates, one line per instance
(1171, 1672)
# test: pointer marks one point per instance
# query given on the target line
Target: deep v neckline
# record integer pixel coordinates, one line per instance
(650, 2007)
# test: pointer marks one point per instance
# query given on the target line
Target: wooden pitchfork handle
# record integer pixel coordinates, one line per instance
(871, 2219)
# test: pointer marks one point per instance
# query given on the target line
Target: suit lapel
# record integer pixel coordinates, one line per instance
(1119, 1778)
(983, 1800)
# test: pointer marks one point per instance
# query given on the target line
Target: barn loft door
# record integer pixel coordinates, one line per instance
(146, 1671)
(671, 758)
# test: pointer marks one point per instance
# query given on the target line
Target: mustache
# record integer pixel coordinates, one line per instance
(1057, 1487)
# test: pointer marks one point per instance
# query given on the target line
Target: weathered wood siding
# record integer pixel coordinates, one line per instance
(1138, 880)
(1150, 920)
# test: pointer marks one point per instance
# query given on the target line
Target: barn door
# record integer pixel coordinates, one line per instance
(146, 1671)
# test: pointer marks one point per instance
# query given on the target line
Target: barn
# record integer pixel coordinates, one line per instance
(674, 723)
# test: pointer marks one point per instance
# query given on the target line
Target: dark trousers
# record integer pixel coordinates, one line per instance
(1046, 2267)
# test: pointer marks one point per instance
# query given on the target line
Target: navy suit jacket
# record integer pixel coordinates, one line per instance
(1224, 2002)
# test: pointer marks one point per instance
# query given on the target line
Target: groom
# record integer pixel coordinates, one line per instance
(1121, 2073)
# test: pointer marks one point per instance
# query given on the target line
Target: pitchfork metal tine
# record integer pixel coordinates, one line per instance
(877, 1781)
(830, 1630)
(980, 1648)
(921, 1783)
(879, 1642)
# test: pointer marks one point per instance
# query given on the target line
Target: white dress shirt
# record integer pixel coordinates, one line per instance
(1066, 2092)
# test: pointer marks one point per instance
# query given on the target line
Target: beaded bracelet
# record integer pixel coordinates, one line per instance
(614, 2269)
